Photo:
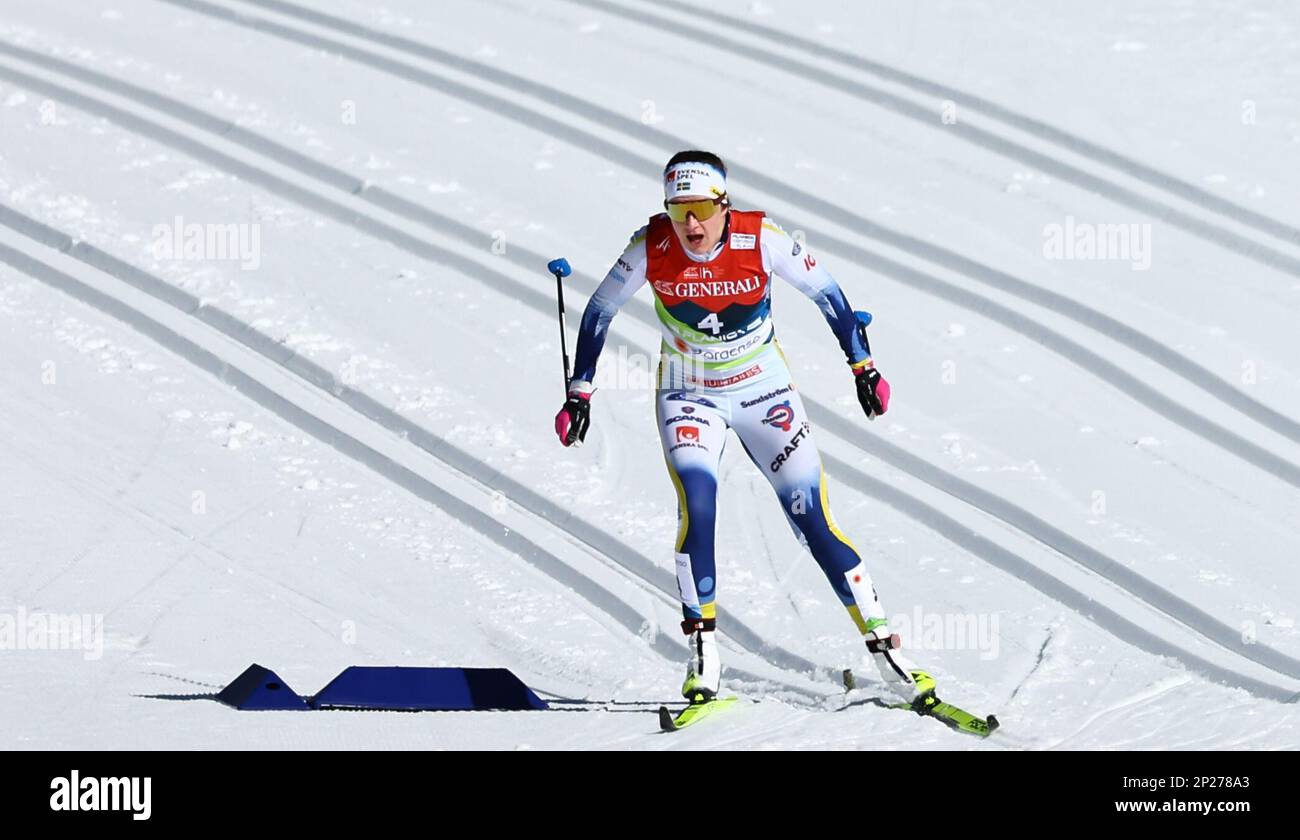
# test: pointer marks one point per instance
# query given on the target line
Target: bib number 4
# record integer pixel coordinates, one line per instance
(710, 323)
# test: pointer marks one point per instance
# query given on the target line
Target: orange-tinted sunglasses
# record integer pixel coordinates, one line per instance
(705, 208)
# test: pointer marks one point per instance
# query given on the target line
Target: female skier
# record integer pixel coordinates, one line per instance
(710, 268)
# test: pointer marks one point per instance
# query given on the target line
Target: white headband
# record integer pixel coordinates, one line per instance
(690, 178)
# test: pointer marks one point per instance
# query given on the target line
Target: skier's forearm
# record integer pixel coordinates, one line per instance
(822, 289)
(573, 420)
(592, 331)
(793, 262)
(839, 314)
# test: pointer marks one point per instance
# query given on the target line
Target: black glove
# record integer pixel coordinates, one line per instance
(573, 419)
(873, 392)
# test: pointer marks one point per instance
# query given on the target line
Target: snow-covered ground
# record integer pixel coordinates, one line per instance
(335, 447)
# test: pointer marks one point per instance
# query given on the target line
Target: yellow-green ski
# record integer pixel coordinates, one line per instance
(929, 705)
(693, 713)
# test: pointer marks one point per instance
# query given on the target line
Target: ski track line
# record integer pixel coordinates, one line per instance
(613, 551)
(233, 376)
(146, 519)
(407, 477)
(1182, 611)
(1140, 697)
(329, 432)
(1073, 352)
(928, 115)
(1201, 377)
(1047, 132)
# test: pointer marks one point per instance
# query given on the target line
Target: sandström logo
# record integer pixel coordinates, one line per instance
(106, 793)
(225, 242)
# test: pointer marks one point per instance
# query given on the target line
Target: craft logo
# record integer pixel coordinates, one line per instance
(780, 415)
(790, 447)
(94, 793)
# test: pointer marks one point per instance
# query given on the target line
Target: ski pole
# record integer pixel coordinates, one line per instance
(560, 268)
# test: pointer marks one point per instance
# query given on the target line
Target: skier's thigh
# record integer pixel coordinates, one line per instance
(692, 429)
(778, 438)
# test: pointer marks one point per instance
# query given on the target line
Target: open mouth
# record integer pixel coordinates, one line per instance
(695, 238)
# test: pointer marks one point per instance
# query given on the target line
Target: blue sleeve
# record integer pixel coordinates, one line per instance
(624, 278)
(791, 260)
(844, 323)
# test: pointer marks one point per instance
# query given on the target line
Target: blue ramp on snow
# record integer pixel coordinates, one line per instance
(427, 689)
(261, 689)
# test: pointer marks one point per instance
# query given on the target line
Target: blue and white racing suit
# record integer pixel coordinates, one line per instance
(721, 369)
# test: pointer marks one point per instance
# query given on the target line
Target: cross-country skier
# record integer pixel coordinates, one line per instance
(710, 268)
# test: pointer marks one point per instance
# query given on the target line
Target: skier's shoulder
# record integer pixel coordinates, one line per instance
(634, 255)
(657, 224)
(776, 241)
(639, 237)
(772, 230)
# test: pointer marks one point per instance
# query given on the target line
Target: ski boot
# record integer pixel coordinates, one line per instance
(704, 670)
(703, 676)
(910, 683)
(917, 687)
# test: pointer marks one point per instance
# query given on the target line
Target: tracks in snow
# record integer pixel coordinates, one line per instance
(1073, 352)
(604, 544)
(927, 113)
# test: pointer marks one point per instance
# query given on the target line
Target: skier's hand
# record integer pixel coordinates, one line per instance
(873, 391)
(573, 419)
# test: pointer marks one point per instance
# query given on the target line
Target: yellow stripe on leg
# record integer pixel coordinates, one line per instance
(826, 513)
(683, 513)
